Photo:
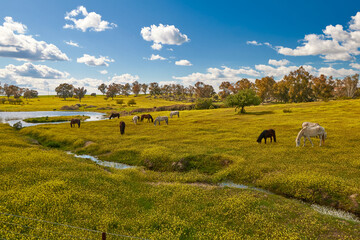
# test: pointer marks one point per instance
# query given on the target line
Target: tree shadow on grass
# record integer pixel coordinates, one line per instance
(259, 113)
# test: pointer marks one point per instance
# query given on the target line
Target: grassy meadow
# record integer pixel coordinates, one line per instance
(50, 103)
(159, 200)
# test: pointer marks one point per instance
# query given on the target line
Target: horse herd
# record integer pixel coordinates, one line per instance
(308, 129)
(135, 119)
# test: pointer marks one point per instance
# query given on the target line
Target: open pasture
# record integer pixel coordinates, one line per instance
(49, 103)
(219, 145)
(48, 184)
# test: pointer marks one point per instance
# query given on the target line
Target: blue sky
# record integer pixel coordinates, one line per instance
(209, 41)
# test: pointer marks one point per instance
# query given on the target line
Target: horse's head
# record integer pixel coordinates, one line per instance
(297, 141)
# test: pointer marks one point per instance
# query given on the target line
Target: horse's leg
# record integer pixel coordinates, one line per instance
(304, 141)
(265, 139)
(310, 141)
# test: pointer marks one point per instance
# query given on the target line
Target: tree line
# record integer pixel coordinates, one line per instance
(297, 86)
(17, 92)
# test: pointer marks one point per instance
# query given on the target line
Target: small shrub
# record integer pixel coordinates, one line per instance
(203, 103)
(93, 94)
(18, 125)
(52, 144)
(119, 101)
(287, 110)
(131, 102)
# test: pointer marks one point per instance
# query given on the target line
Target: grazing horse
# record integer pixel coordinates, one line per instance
(309, 124)
(307, 132)
(122, 127)
(114, 115)
(148, 117)
(267, 134)
(174, 113)
(135, 119)
(159, 119)
(75, 121)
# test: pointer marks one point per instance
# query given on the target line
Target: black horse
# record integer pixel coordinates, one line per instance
(148, 117)
(267, 134)
(122, 127)
(75, 121)
(114, 115)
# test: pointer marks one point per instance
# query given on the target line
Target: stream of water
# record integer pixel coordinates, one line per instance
(13, 117)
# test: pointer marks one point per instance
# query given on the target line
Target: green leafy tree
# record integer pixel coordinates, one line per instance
(30, 93)
(65, 90)
(136, 87)
(243, 98)
(144, 88)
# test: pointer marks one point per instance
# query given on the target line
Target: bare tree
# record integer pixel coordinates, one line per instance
(80, 92)
(144, 88)
(136, 87)
(102, 88)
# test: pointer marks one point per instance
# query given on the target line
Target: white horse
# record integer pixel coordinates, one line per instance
(159, 119)
(309, 124)
(308, 132)
(135, 119)
(174, 113)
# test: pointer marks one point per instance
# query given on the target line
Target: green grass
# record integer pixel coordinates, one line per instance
(54, 119)
(220, 145)
(45, 183)
(213, 146)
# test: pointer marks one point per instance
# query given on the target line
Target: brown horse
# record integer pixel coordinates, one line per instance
(148, 116)
(75, 121)
(122, 127)
(267, 134)
(114, 115)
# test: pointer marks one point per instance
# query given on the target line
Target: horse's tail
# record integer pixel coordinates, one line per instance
(79, 123)
(71, 124)
(274, 136)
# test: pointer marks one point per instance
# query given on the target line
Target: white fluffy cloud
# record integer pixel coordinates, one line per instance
(71, 43)
(103, 72)
(282, 62)
(279, 72)
(156, 46)
(156, 57)
(15, 44)
(334, 44)
(125, 78)
(35, 71)
(163, 34)
(91, 21)
(93, 61)
(355, 65)
(183, 63)
(253, 43)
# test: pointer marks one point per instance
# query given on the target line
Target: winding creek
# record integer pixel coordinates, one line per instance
(321, 209)
(13, 117)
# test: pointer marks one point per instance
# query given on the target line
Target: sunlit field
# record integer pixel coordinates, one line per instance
(160, 200)
(49, 103)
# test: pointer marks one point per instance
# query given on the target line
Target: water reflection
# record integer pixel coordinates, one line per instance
(13, 117)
